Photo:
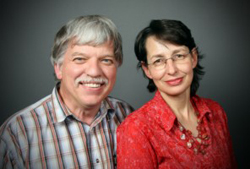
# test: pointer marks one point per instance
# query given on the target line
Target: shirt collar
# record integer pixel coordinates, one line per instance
(106, 110)
(60, 112)
(201, 106)
(164, 115)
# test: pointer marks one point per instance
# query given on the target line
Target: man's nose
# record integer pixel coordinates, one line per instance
(94, 68)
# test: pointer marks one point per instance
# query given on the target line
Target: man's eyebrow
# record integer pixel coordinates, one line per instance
(85, 55)
(109, 55)
(78, 53)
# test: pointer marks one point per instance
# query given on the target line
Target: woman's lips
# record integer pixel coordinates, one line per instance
(174, 82)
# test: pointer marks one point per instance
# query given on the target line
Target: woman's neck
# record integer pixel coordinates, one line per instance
(183, 109)
(181, 104)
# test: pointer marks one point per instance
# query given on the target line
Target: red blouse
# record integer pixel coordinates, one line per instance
(151, 138)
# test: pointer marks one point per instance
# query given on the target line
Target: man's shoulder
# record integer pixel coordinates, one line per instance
(119, 108)
(116, 103)
(24, 113)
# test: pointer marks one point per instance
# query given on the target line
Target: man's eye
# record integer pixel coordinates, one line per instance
(108, 61)
(79, 60)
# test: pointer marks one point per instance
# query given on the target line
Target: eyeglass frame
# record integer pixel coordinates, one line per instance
(172, 57)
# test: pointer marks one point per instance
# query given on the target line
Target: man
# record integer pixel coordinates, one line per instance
(75, 126)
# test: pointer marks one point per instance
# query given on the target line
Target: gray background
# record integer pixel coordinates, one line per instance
(220, 28)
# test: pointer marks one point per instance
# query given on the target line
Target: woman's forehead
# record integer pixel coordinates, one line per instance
(154, 43)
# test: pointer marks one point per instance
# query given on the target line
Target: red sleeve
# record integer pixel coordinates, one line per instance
(222, 118)
(134, 149)
(230, 143)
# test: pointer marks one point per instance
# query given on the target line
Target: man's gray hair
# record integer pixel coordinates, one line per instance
(91, 30)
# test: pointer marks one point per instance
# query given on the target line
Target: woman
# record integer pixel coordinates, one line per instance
(177, 128)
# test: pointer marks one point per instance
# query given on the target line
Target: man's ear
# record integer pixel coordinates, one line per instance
(58, 71)
(146, 71)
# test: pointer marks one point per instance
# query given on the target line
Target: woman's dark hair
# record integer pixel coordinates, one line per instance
(172, 31)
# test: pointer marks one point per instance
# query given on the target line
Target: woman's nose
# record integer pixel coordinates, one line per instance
(170, 66)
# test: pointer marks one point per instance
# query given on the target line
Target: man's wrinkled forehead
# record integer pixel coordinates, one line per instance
(76, 41)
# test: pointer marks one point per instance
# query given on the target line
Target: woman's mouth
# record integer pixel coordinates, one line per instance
(174, 82)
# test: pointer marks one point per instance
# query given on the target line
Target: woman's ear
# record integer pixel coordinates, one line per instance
(145, 69)
(194, 57)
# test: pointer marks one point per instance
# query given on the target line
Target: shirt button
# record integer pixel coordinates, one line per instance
(97, 160)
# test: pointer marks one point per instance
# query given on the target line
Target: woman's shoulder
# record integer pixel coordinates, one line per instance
(210, 103)
(139, 117)
(215, 109)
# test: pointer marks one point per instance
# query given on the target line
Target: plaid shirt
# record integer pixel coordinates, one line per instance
(47, 135)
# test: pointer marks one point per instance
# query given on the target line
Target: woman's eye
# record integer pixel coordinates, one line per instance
(158, 61)
(179, 56)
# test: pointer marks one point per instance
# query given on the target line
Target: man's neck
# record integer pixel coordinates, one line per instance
(86, 115)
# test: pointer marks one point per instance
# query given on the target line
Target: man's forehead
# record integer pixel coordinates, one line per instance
(77, 42)
(84, 49)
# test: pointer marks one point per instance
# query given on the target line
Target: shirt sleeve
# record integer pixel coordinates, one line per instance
(134, 149)
(230, 143)
(10, 153)
(224, 130)
(5, 158)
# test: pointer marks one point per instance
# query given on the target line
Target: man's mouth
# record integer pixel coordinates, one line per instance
(92, 85)
(92, 82)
